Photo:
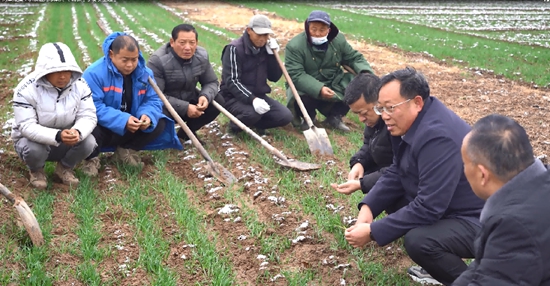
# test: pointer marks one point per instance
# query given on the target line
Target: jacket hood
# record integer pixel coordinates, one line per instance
(331, 35)
(56, 57)
(107, 46)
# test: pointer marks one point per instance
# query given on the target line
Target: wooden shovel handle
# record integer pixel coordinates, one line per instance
(241, 125)
(180, 121)
(294, 91)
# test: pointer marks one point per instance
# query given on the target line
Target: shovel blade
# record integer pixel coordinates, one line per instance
(29, 221)
(302, 166)
(221, 173)
(317, 140)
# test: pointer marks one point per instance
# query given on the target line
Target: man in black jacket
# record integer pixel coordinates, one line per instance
(376, 154)
(178, 66)
(512, 246)
(247, 63)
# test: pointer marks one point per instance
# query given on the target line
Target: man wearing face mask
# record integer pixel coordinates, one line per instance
(248, 62)
(314, 60)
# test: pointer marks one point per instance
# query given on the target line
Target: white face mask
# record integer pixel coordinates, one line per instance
(319, 41)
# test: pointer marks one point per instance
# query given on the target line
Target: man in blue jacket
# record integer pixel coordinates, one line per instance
(512, 246)
(424, 191)
(129, 112)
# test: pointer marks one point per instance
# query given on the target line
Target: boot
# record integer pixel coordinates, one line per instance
(127, 156)
(65, 175)
(38, 179)
(91, 167)
(336, 123)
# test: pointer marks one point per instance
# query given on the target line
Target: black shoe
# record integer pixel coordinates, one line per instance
(336, 123)
(183, 136)
(261, 131)
(232, 131)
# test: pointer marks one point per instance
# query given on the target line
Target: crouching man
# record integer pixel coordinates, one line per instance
(54, 116)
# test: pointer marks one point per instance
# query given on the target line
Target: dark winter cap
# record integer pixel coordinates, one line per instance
(319, 16)
(260, 24)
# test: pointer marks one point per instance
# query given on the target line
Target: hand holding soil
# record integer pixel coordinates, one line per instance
(70, 137)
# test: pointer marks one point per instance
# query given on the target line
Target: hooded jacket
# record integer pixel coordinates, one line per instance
(106, 83)
(41, 110)
(179, 81)
(310, 68)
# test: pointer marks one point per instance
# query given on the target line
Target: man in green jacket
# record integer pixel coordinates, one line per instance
(314, 60)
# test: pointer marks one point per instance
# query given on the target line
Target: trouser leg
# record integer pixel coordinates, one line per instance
(242, 111)
(439, 248)
(310, 104)
(209, 114)
(32, 153)
(278, 115)
(70, 156)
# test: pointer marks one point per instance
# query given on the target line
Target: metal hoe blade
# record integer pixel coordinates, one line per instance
(26, 215)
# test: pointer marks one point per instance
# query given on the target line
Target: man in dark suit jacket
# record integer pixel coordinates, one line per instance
(424, 191)
(512, 246)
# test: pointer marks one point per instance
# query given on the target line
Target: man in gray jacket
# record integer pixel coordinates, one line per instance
(178, 66)
(512, 246)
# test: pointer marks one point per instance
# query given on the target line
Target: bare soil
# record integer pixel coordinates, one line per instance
(469, 94)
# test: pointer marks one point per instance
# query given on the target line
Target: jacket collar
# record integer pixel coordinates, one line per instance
(512, 190)
(409, 136)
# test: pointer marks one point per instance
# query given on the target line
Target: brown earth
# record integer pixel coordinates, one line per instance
(469, 94)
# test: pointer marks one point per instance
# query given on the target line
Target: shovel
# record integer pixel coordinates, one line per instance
(26, 215)
(284, 161)
(317, 138)
(214, 168)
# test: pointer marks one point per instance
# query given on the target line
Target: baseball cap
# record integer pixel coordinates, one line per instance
(319, 16)
(260, 24)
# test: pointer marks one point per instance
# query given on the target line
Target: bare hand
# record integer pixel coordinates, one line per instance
(133, 124)
(145, 122)
(358, 235)
(70, 137)
(203, 103)
(193, 111)
(365, 215)
(327, 92)
(356, 172)
(348, 187)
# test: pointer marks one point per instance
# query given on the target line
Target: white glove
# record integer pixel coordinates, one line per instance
(260, 106)
(271, 46)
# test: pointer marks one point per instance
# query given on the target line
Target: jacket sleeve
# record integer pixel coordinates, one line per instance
(439, 171)
(295, 65)
(231, 73)
(86, 118)
(27, 121)
(151, 105)
(354, 58)
(107, 116)
(507, 244)
(274, 71)
(209, 81)
(154, 63)
(369, 180)
(363, 156)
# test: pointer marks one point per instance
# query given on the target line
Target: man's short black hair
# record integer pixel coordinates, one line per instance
(124, 42)
(500, 144)
(413, 83)
(184, 28)
(364, 84)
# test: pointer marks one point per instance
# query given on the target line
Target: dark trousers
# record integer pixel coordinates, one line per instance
(135, 141)
(278, 115)
(195, 124)
(336, 109)
(440, 247)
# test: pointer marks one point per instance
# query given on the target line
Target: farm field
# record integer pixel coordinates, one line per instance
(173, 224)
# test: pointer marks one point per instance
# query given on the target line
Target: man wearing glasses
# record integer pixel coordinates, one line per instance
(424, 192)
